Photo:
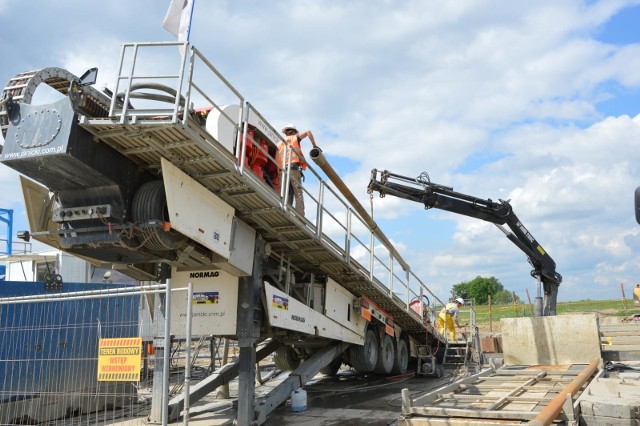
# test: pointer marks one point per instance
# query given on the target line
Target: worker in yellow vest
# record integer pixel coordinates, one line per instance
(449, 317)
(636, 295)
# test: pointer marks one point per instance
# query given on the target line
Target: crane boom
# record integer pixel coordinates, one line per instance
(500, 213)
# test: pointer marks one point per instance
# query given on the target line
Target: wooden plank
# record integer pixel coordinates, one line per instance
(633, 332)
(620, 340)
(621, 348)
(432, 421)
(475, 414)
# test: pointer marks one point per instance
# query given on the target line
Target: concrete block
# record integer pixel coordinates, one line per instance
(614, 400)
(586, 420)
(566, 339)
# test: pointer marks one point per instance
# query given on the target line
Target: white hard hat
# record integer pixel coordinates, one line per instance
(289, 127)
(460, 300)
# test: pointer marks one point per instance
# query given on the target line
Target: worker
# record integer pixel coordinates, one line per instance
(297, 162)
(636, 295)
(449, 317)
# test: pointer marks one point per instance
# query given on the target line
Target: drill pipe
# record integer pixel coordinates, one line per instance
(318, 157)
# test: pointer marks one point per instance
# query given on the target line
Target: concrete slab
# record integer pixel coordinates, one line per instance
(566, 339)
(614, 399)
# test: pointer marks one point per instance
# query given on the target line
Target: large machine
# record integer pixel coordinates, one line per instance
(432, 195)
(140, 180)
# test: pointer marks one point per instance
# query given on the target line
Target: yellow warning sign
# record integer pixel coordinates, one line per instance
(119, 359)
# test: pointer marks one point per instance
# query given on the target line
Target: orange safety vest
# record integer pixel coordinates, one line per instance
(296, 152)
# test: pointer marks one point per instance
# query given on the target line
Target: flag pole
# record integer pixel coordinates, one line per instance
(193, 5)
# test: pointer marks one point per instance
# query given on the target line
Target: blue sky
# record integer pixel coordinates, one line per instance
(533, 102)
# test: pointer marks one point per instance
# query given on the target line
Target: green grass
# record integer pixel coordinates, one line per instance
(604, 307)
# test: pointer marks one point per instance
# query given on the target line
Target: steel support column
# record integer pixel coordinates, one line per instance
(248, 332)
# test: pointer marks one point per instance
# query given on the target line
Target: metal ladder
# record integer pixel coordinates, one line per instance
(456, 353)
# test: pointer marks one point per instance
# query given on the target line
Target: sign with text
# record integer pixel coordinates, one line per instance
(119, 359)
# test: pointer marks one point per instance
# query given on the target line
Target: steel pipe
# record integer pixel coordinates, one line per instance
(318, 157)
(553, 409)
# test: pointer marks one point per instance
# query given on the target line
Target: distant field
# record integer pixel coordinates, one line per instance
(604, 307)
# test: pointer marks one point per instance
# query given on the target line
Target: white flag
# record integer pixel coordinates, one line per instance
(178, 19)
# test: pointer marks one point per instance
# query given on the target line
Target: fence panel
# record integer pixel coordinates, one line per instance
(76, 356)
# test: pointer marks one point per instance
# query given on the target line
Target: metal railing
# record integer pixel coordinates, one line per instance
(334, 221)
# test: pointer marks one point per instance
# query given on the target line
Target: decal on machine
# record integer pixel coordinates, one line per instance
(206, 297)
(298, 318)
(205, 274)
(280, 302)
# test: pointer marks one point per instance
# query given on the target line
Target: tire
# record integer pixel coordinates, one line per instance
(150, 202)
(386, 356)
(401, 360)
(332, 368)
(364, 358)
(286, 358)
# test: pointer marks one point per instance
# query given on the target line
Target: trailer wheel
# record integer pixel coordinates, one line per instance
(401, 360)
(150, 202)
(286, 359)
(332, 368)
(364, 358)
(386, 357)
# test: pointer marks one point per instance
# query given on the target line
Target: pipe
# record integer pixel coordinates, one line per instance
(553, 409)
(318, 157)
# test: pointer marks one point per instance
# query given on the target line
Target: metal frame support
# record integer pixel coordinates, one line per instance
(9, 221)
(248, 332)
(301, 375)
(220, 377)
(159, 412)
(538, 306)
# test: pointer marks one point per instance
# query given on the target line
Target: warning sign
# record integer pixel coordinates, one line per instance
(119, 360)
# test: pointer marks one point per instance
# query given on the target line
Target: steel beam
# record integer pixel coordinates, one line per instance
(301, 375)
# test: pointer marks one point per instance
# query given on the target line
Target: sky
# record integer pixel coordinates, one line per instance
(533, 102)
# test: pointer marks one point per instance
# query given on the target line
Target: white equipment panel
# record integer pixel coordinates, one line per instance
(338, 306)
(288, 313)
(214, 308)
(197, 213)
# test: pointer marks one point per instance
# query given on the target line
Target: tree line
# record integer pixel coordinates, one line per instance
(480, 288)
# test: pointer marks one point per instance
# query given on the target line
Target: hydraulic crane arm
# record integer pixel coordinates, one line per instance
(500, 213)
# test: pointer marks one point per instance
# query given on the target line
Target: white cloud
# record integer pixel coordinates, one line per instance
(498, 99)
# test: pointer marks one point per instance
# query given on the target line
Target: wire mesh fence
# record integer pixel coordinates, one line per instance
(78, 357)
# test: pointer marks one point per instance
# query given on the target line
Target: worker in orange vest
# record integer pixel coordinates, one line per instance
(449, 315)
(296, 162)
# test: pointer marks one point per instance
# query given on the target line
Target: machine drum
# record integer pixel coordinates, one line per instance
(150, 202)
